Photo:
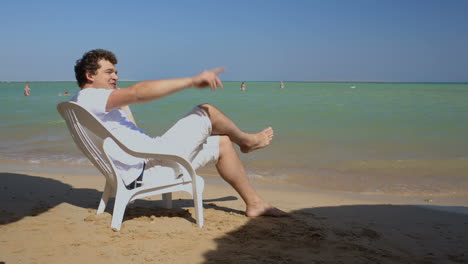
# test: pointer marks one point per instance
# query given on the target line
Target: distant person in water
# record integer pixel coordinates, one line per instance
(243, 87)
(66, 93)
(27, 90)
(281, 84)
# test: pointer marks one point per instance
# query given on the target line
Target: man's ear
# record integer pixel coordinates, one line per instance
(89, 77)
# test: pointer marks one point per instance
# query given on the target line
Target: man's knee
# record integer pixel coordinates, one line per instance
(225, 144)
(208, 108)
(224, 140)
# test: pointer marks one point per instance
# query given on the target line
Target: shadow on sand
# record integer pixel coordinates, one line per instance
(24, 195)
(341, 234)
(349, 234)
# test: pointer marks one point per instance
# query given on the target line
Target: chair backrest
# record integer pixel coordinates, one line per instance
(89, 135)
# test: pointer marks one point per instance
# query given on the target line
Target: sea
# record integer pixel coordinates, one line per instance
(369, 137)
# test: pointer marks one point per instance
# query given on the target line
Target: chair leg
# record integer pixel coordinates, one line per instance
(167, 200)
(198, 200)
(120, 204)
(104, 199)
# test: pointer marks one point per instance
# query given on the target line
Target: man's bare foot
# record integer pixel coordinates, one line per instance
(257, 141)
(264, 209)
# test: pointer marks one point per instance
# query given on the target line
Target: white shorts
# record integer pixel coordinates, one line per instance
(190, 138)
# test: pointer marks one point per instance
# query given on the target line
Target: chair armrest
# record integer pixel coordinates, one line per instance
(156, 155)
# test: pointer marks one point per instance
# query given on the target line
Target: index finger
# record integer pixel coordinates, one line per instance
(218, 70)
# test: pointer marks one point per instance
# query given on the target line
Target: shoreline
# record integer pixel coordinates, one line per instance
(376, 183)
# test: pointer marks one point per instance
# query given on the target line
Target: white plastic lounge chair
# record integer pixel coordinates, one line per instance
(92, 138)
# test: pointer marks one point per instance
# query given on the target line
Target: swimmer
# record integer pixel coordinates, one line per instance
(27, 90)
(243, 86)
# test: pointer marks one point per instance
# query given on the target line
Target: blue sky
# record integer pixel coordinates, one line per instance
(380, 40)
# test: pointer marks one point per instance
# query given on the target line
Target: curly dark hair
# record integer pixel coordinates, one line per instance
(89, 63)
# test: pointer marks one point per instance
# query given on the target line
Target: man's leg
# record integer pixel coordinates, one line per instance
(232, 171)
(229, 165)
(222, 125)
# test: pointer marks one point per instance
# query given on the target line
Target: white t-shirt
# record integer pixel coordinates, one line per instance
(116, 121)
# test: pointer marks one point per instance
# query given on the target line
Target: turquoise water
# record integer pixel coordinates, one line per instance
(323, 130)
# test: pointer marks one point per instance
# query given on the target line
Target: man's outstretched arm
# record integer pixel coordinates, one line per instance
(147, 91)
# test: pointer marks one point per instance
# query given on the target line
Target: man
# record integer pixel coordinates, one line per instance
(203, 135)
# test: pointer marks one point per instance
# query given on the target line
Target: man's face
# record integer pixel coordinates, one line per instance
(106, 76)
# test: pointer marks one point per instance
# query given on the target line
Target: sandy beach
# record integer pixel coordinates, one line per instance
(50, 218)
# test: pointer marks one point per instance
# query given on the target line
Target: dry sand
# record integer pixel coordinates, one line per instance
(47, 218)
